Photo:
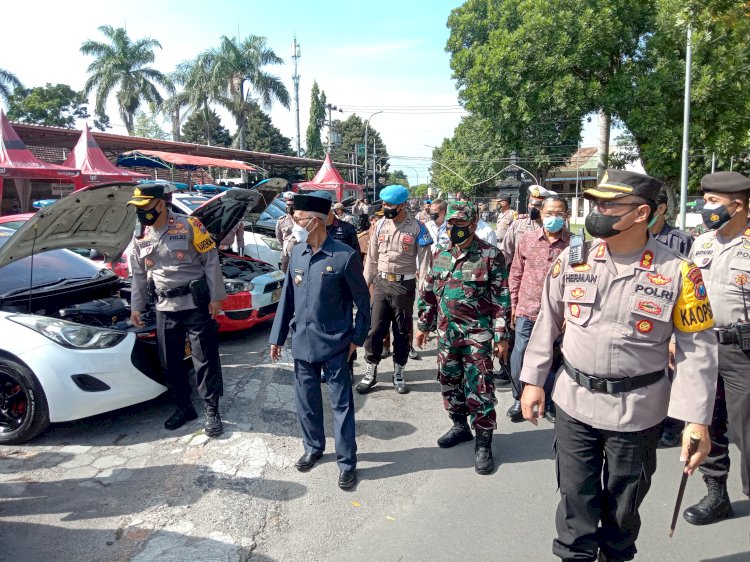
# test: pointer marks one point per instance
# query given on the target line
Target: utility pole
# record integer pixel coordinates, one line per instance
(367, 127)
(330, 108)
(686, 128)
(374, 182)
(296, 54)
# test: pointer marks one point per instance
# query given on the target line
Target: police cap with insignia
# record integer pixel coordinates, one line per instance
(312, 203)
(460, 211)
(621, 183)
(145, 194)
(725, 182)
(539, 192)
(394, 194)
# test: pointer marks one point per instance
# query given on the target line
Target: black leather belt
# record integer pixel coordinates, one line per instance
(176, 292)
(611, 386)
(726, 337)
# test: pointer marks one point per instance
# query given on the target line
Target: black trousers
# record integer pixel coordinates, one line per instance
(171, 330)
(603, 477)
(731, 411)
(392, 304)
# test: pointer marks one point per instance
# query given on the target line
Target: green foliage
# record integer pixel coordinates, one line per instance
(199, 130)
(147, 126)
(55, 106)
(121, 64)
(8, 82)
(398, 177)
(352, 131)
(313, 144)
(420, 190)
(261, 135)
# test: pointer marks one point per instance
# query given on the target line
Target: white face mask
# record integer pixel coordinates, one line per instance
(300, 232)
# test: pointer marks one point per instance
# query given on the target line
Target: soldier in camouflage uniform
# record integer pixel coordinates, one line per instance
(462, 297)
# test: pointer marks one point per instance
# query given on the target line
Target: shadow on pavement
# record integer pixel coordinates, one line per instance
(132, 490)
(739, 557)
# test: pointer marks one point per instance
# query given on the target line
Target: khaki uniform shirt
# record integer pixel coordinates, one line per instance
(620, 325)
(284, 234)
(726, 271)
(504, 220)
(398, 248)
(173, 256)
(508, 246)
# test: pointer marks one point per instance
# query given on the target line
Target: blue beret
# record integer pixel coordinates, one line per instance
(322, 194)
(394, 194)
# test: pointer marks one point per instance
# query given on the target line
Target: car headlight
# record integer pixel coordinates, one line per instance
(232, 286)
(271, 243)
(70, 334)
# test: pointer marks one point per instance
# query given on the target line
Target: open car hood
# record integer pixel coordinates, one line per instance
(94, 217)
(221, 214)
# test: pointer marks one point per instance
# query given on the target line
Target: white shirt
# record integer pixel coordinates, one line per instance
(484, 232)
(439, 234)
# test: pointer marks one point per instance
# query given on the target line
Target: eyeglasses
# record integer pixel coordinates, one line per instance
(298, 221)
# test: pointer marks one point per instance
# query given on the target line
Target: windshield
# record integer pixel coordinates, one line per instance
(274, 211)
(192, 202)
(49, 267)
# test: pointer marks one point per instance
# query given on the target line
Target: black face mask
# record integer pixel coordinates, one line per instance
(459, 234)
(434, 216)
(535, 214)
(147, 217)
(716, 217)
(602, 226)
(390, 212)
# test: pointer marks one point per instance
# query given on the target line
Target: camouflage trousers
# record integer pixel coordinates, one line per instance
(466, 379)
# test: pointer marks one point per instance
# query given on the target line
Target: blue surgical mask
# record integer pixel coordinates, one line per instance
(554, 224)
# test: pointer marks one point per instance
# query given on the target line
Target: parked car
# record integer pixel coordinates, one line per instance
(14, 222)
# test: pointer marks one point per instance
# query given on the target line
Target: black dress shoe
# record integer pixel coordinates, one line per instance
(550, 412)
(307, 461)
(668, 440)
(347, 479)
(514, 412)
(180, 417)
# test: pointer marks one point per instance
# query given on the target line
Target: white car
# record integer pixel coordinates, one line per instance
(67, 347)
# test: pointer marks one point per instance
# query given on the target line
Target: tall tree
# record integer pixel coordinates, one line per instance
(8, 82)
(313, 144)
(55, 106)
(261, 135)
(352, 131)
(237, 72)
(146, 125)
(122, 64)
(398, 177)
(195, 78)
(196, 130)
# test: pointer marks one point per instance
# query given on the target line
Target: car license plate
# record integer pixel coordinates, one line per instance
(276, 295)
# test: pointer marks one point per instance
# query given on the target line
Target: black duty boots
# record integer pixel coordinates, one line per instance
(714, 506)
(459, 433)
(483, 461)
(213, 425)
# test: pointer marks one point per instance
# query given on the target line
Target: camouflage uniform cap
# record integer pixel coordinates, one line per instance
(461, 211)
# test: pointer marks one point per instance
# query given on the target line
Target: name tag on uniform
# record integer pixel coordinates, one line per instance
(298, 277)
(145, 250)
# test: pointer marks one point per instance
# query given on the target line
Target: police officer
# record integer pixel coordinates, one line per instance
(322, 284)
(337, 227)
(179, 255)
(505, 217)
(525, 223)
(620, 306)
(398, 246)
(461, 298)
(284, 228)
(341, 215)
(723, 255)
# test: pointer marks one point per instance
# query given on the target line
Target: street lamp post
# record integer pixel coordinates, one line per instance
(412, 168)
(367, 126)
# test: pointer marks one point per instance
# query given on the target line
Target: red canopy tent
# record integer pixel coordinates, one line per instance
(94, 165)
(328, 178)
(19, 164)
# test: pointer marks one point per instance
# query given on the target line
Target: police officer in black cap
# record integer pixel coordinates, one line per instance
(323, 283)
(723, 255)
(180, 256)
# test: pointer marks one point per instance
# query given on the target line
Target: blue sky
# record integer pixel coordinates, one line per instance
(366, 56)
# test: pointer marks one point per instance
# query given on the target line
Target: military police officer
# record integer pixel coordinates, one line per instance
(323, 283)
(620, 305)
(179, 255)
(398, 246)
(723, 255)
(461, 297)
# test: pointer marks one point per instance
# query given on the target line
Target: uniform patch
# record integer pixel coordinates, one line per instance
(298, 280)
(329, 268)
(649, 307)
(644, 326)
(202, 240)
(658, 279)
(600, 251)
(647, 259)
(707, 245)
(556, 269)
(746, 244)
(747, 232)
(149, 262)
(650, 291)
(180, 255)
(692, 311)
(575, 310)
(582, 267)
(578, 293)
(705, 261)
(741, 279)
(407, 239)
(381, 238)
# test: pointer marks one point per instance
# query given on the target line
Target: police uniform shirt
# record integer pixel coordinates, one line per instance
(679, 241)
(284, 228)
(726, 271)
(181, 252)
(398, 248)
(504, 221)
(620, 325)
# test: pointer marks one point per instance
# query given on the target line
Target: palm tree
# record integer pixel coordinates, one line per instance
(195, 78)
(8, 82)
(122, 63)
(237, 71)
